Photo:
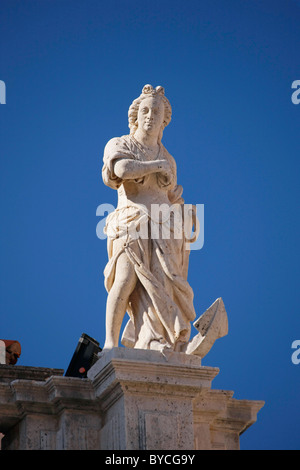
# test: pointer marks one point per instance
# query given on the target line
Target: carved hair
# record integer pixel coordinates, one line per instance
(148, 91)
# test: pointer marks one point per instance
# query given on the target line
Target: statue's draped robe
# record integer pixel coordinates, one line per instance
(161, 305)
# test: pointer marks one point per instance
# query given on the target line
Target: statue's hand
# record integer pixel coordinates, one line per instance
(164, 174)
(164, 168)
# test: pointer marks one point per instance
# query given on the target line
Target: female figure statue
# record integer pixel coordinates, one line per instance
(146, 275)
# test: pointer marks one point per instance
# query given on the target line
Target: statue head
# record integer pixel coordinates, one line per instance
(150, 94)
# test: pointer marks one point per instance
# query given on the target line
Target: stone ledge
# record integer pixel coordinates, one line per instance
(9, 373)
(132, 399)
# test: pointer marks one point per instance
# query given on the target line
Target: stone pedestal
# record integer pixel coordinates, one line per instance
(147, 398)
(131, 400)
(151, 401)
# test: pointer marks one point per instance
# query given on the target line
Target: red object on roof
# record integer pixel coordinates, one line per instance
(13, 351)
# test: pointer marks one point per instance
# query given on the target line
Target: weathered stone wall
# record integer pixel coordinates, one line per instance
(131, 400)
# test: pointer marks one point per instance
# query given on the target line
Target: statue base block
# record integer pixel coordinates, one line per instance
(155, 401)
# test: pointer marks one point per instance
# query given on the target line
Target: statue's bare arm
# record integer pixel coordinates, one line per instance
(132, 169)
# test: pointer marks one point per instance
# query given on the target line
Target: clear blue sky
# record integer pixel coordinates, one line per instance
(71, 70)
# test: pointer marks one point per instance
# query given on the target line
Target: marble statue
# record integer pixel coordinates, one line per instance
(146, 275)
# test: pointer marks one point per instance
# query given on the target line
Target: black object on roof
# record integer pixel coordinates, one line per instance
(85, 355)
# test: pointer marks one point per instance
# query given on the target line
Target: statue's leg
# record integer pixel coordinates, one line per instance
(117, 299)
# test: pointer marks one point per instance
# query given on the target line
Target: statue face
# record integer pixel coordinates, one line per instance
(151, 115)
